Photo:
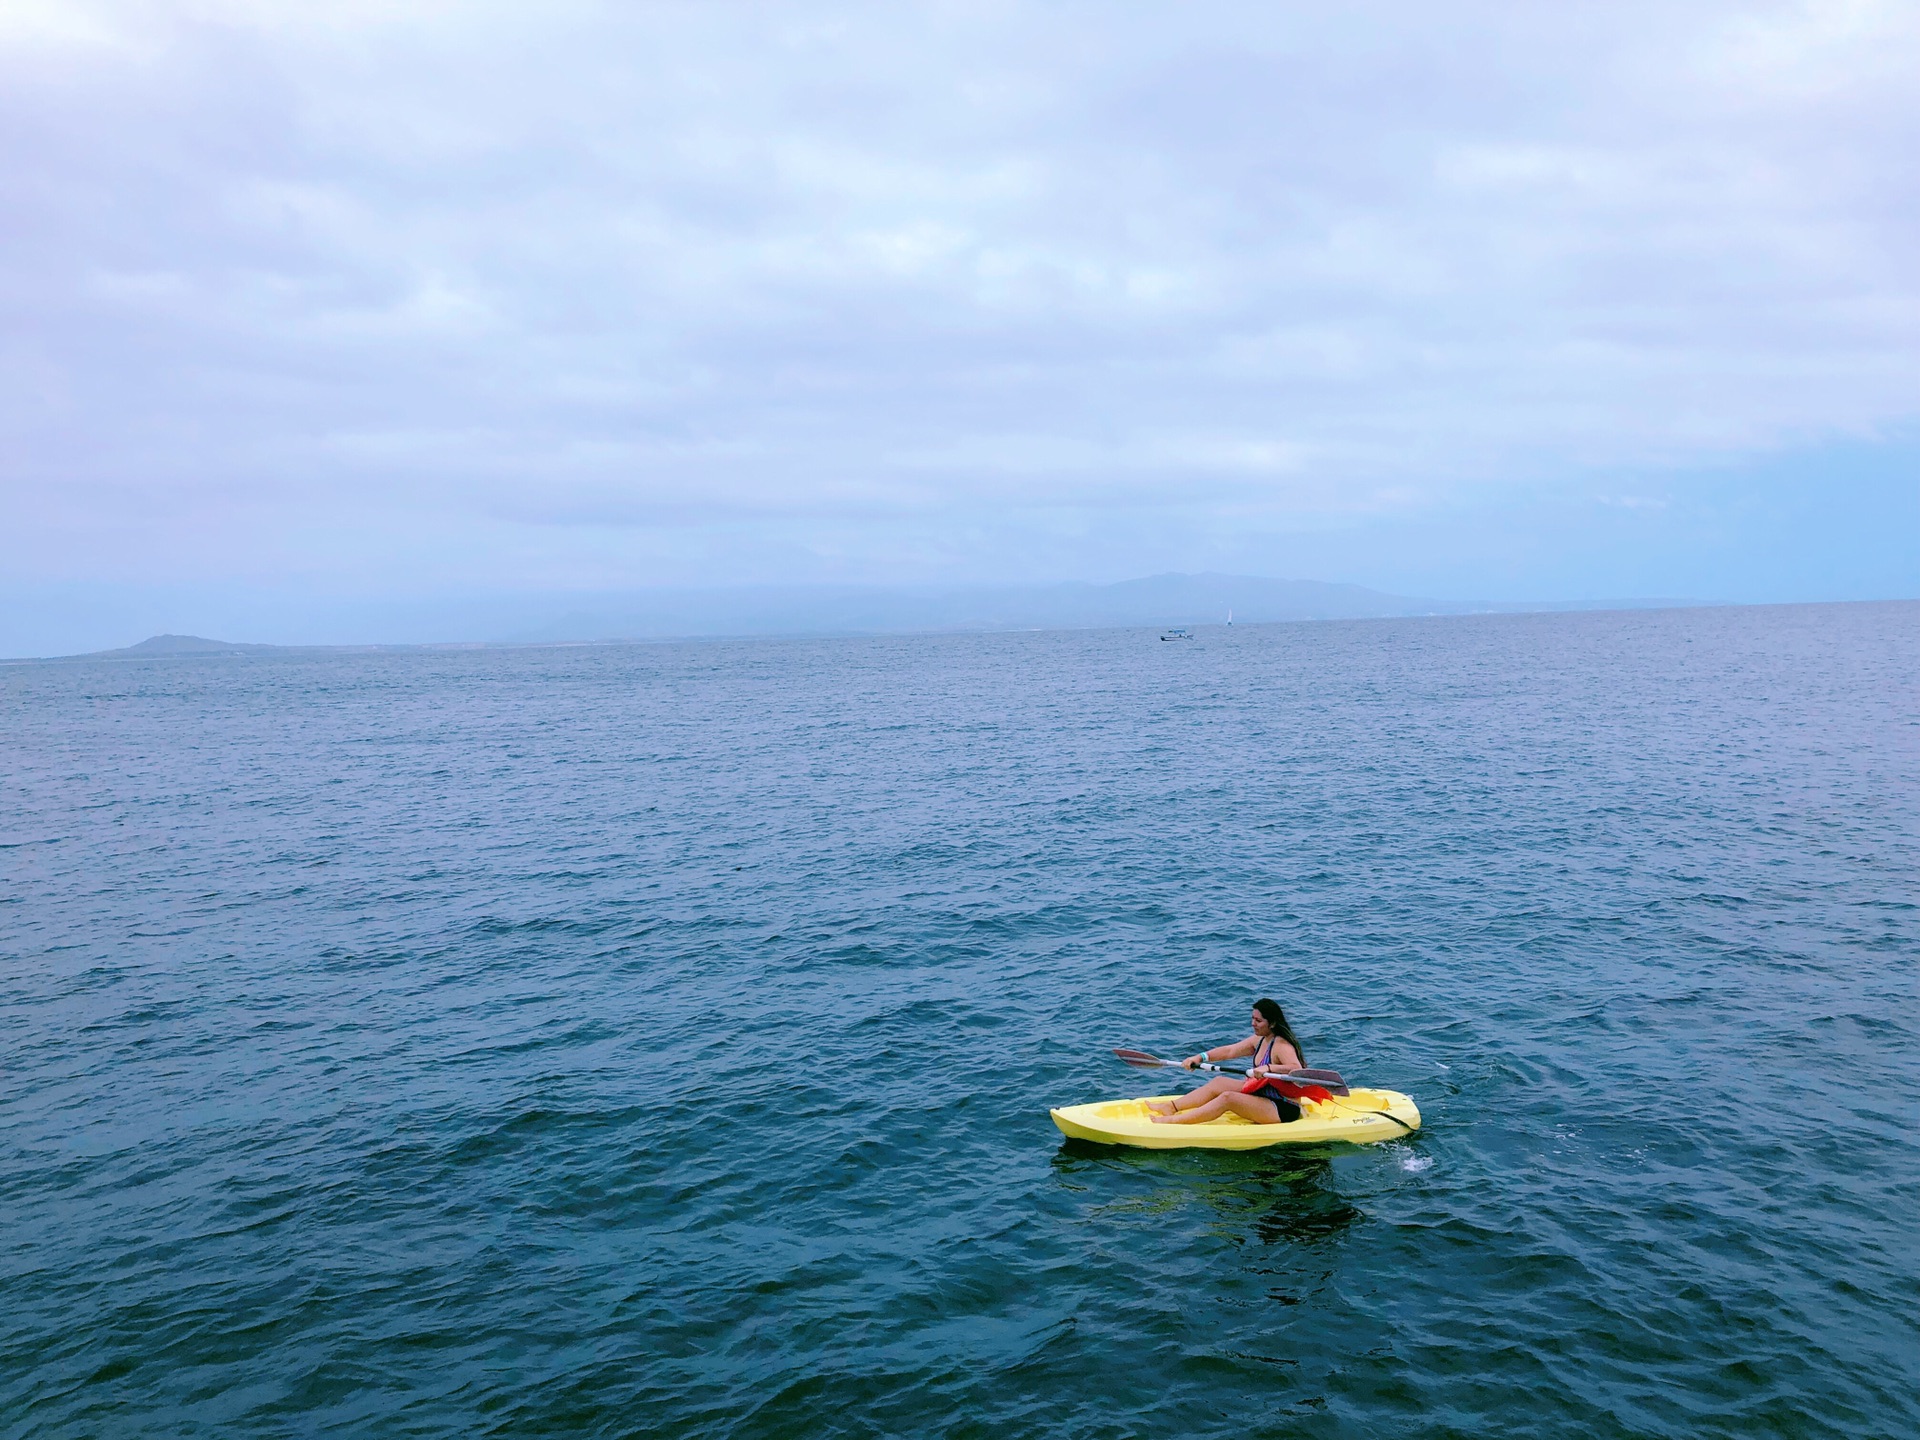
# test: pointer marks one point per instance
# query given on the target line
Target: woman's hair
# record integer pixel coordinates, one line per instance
(1276, 1019)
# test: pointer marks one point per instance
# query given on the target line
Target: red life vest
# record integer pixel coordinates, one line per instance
(1289, 1088)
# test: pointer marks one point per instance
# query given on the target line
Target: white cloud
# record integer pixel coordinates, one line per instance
(421, 271)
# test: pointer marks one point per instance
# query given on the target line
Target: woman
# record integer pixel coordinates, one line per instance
(1275, 1051)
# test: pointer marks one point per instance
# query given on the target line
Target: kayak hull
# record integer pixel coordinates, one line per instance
(1362, 1118)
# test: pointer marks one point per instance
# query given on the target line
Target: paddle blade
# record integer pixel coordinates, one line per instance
(1326, 1081)
(1297, 1090)
(1141, 1060)
(1330, 1077)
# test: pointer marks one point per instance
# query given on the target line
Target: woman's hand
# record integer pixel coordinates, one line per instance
(1192, 1060)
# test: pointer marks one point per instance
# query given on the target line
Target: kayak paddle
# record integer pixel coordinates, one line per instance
(1141, 1060)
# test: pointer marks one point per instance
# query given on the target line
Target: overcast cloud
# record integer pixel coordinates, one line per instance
(418, 296)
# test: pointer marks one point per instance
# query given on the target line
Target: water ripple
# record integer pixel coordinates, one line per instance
(658, 1040)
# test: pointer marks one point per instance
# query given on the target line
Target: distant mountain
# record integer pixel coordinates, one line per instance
(1156, 600)
(183, 645)
(162, 646)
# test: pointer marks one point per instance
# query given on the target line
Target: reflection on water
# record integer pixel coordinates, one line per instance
(1278, 1196)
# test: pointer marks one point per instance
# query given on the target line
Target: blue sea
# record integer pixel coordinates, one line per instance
(658, 1039)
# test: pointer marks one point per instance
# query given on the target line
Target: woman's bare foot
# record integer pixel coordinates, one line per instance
(1163, 1107)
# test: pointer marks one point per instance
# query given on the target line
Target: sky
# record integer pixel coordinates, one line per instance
(310, 308)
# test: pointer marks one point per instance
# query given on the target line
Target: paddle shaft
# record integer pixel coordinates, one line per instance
(1140, 1060)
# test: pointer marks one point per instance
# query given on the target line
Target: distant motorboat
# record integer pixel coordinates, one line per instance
(1178, 632)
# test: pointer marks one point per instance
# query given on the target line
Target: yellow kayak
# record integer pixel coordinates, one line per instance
(1362, 1117)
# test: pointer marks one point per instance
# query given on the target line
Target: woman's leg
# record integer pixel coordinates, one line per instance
(1247, 1107)
(1219, 1085)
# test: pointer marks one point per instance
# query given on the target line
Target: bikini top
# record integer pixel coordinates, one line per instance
(1265, 1051)
(1292, 1089)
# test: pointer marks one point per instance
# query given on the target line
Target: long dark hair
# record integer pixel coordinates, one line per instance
(1276, 1019)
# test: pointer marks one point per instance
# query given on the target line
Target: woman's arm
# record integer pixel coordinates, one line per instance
(1223, 1052)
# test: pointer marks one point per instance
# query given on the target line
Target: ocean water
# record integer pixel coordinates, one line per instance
(658, 1040)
